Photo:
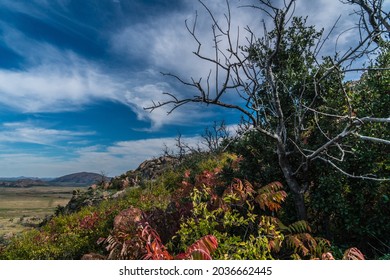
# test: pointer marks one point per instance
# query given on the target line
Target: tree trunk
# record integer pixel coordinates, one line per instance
(292, 183)
(300, 206)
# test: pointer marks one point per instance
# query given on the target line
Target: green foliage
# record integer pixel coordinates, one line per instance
(235, 232)
(257, 160)
(64, 237)
(345, 210)
(133, 238)
(385, 257)
(204, 217)
(206, 208)
(71, 236)
(271, 196)
(350, 211)
(156, 195)
(171, 179)
(238, 219)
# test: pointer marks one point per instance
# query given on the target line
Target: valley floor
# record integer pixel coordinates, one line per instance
(22, 208)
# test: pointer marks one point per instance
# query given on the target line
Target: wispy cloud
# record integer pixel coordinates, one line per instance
(45, 89)
(56, 80)
(26, 132)
(325, 14)
(165, 44)
(53, 79)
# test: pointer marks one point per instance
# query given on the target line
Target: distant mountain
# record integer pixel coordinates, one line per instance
(82, 178)
(22, 183)
(13, 179)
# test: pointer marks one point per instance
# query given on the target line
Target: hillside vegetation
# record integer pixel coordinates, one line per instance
(305, 177)
(199, 207)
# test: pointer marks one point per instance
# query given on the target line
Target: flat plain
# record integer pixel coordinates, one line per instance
(23, 208)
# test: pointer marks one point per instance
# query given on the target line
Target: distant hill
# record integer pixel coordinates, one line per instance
(22, 183)
(82, 178)
(21, 178)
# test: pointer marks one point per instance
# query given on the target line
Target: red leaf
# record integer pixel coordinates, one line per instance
(203, 248)
(353, 254)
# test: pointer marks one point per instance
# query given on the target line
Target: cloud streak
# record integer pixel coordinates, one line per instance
(26, 132)
(56, 80)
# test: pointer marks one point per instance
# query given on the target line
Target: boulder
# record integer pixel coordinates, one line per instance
(151, 169)
(128, 220)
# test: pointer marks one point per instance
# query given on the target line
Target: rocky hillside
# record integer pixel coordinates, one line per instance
(116, 187)
(134, 216)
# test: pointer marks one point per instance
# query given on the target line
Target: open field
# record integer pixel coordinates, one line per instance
(22, 208)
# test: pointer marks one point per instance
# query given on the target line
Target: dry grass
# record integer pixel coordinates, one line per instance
(21, 208)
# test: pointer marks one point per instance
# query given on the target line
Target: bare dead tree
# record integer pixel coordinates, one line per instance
(373, 19)
(182, 150)
(281, 90)
(214, 136)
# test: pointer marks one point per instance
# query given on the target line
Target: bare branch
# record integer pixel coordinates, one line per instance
(346, 132)
(323, 113)
(361, 177)
(371, 119)
(372, 139)
(365, 69)
(374, 13)
(351, 54)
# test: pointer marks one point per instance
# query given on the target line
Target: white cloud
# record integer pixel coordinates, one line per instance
(324, 14)
(112, 160)
(44, 89)
(59, 80)
(166, 45)
(26, 132)
(53, 80)
(140, 97)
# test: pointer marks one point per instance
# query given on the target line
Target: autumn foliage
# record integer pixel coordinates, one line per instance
(209, 215)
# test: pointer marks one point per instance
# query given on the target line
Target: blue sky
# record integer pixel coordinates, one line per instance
(75, 76)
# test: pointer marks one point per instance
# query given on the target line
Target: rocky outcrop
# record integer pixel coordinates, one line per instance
(148, 170)
(117, 187)
(151, 169)
(93, 196)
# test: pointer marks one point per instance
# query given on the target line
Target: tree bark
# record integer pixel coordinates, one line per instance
(300, 206)
(292, 182)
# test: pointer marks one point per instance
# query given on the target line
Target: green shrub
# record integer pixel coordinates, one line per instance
(71, 236)
(385, 257)
(64, 236)
(236, 233)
